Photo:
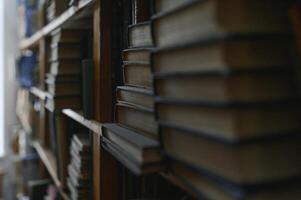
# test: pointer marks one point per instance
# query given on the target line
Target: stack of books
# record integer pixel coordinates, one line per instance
(79, 177)
(63, 79)
(135, 134)
(226, 99)
(54, 8)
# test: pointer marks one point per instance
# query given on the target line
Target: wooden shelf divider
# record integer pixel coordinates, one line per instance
(50, 163)
(59, 22)
(78, 117)
(38, 93)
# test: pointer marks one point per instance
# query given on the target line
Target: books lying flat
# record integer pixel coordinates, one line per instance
(81, 143)
(128, 161)
(141, 148)
(137, 75)
(247, 163)
(140, 35)
(136, 117)
(215, 18)
(65, 67)
(209, 188)
(136, 55)
(66, 36)
(237, 52)
(58, 103)
(65, 51)
(230, 121)
(236, 87)
(135, 95)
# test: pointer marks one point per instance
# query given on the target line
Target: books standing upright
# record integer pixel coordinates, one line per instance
(226, 100)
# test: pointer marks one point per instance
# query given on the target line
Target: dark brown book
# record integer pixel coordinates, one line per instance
(247, 163)
(65, 51)
(232, 122)
(137, 117)
(136, 95)
(140, 11)
(142, 149)
(65, 67)
(140, 35)
(206, 187)
(137, 75)
(234, 87)
(137, 55)
(64, 88)
(237, 52)
(67, 36)
(52, 79)
(58, 103)
(215, 18)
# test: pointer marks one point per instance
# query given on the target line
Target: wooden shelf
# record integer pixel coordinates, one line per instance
(65, 20)
(38, 93)
(90, 124)
(50, 163)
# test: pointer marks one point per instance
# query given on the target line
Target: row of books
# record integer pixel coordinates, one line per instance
(226, 100)
(79, 169)
(133, 139)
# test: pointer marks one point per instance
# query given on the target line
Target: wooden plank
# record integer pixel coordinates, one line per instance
(38, 93)
(105, 181)
(62, 20)
(50, 164)
(78, 117)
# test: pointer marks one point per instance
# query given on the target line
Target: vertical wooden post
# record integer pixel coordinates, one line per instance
(105, 182)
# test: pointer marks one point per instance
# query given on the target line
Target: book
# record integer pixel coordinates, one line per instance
(64, 88)
(140, 11)
(128, 161)
(206, 187)
(215, 18)
(135, 95)
(65, 67)
(245, 163)
(162, 6)
(137, 75)
(141, 148)
(61, 102)
(88, 88)
(136, 55)
(237, 52)
(52, 79)
(137, 117)
(140, 35)
(66, 35)
(236, 87)
(230, 121)
(65, 51)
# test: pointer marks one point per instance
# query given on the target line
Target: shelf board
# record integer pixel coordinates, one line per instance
(90, 124)
(64, 20)
(38, 93)
(50, 163)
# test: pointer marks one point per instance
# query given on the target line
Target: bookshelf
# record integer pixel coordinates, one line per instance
(92, 125)
(69, 17)
(50, 164)
(140, 140)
